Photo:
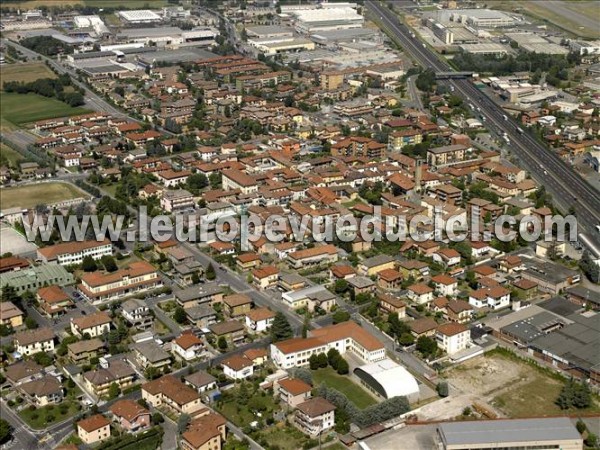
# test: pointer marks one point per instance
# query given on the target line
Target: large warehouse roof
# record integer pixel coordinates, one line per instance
(389, 379)
(499, 431)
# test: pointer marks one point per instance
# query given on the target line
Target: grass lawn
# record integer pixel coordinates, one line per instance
(30, 195)
(243, 415)
(25, 72)
(49, 414)
(357, 395)
(19, 109)
(12, 156)
(283, 437)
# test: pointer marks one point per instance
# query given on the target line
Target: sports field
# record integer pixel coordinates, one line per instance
(19, 109)
(31, 195)
(25, 72)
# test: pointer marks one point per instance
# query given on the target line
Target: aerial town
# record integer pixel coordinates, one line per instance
(295, 225)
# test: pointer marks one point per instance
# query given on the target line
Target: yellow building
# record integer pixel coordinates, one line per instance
(93, 429)
(10, 315)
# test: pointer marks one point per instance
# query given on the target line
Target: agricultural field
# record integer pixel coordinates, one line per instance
(361, 398)
(130, 4)
(576, 17)
(34, 194)
(511, 386)
(25, 72)
(12, 157)
(18, 109)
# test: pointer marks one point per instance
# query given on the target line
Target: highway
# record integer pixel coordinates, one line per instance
(565, 185)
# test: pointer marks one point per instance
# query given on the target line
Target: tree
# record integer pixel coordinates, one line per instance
(323, 360)
(426, 346)
(222, 343)
(151, 373)
(442, 389)
(406, 339)
(9, 294)
(306, 325)
(197, 181)
(589, 267)
(43, 359)
(313, 362)
(30, 323)
(210, 273)
(179, 315)
(574, 395)
(332, 357)
(182, 423)
(113, 391)
(340, 286)
(157, 418)
(88, 264)
(281, 328)
(340, 316)
(5, 430)
(243, 395)
(581, 426)
(342, 366)
(109, 263)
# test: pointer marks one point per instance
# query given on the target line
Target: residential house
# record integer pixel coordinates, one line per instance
(43, 391)
(420, 293)
(150, 354)
(459, 311)
(320, 254)
(236, 305)
(22, 372)
(389, 279)
(94, 429)
(238, 367)
(495, 297)
(187, 346)
(293, 391)
(445, 285)
(265, 277)
(452, 337)
(371, 266)
(315, 416)
(201, 381)
(423, 327)
(117, 371)
(84, 350)
(361, 285)
(94, 325)
(167, 391)
(53, 301)
(247, 261)
(30, 342)
(259, 320)
(10, 315)
(233, 331)
(130, 415)
(392, 305)
(207, 432)
(137, 313)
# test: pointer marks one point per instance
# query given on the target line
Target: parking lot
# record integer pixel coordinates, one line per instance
(13, 242)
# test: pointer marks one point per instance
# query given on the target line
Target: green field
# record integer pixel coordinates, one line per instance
(25, 72)
(31, 195)
(19, 109)
(12, 156)
(357, 395)
(50, 414)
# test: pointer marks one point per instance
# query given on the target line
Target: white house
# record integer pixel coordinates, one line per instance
(453, 337)
(238, 367)
(445, 285)
(137, 313)
(94, 325)
(494, 298)
(259, 319)
(31, 342)
(188, 346)
(420, 293)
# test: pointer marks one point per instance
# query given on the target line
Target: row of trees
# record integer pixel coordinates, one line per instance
(332, 358)
(574, 395)
(48, 87)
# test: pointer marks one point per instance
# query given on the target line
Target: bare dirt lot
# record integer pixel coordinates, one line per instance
(509, 386)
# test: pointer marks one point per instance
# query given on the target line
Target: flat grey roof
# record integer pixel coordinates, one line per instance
(499, 431)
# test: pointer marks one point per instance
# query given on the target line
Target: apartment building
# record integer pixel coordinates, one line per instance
(346, 336)
(448, 154)
(137, 313)
(452, 337)
(445, 285)
(207, 432)
(99, 286)
(293, 391)
(187, 346)
(495, 297)
(265, 277)
(115, 371)
(130, 415)
(236, 179)
(53, 301)
(46, 390)
(177, 200)
(259, 320)
(10, 315)
(72, 253)
(82, 351)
